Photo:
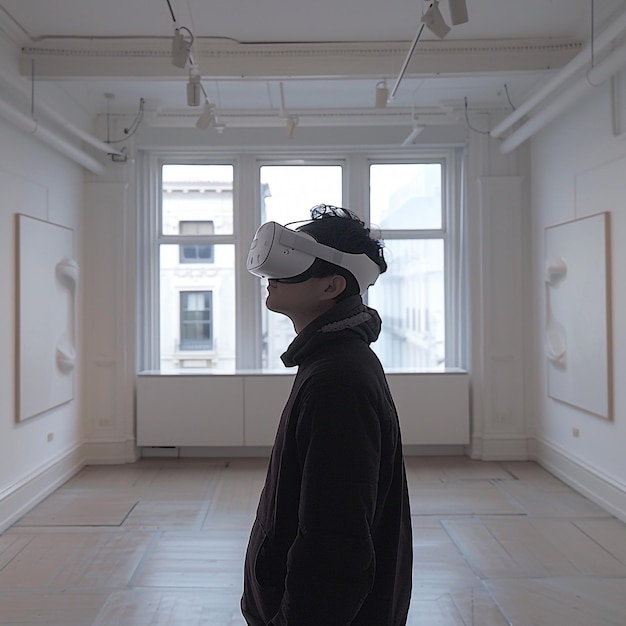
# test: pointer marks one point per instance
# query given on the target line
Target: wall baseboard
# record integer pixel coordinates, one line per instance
(265, 451)
(110, 452)
(586, 480)
(21, 497)
(500, 448)
(208, 452)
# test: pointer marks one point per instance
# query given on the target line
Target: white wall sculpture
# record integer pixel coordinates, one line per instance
(577, 337)
(46, 316)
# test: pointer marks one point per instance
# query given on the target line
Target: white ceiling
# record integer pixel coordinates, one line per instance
(298, 20)
(328, 54)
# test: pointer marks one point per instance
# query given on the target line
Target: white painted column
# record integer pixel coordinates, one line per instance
(499, 429)
(108, 324)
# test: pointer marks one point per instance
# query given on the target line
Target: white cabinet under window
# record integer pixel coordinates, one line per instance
(189, 410)
(243, 409)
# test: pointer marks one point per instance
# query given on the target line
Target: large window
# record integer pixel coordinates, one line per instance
(202, 309)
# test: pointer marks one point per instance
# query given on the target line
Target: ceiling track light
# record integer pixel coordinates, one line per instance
(207, 119)
(181, 46)
(292, 122)
(181, 42)
(458, 12)
(193, 88)
(434, 20)
(382, 94)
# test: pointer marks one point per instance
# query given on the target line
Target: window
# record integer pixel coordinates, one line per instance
(196, 314)
(195, 253)
(201, 308)
(289, 193)
(406, 203)
(196, 267)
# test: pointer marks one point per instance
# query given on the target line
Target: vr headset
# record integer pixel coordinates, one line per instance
(279, 252)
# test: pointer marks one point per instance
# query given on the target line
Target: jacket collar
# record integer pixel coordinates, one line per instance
(349, 315)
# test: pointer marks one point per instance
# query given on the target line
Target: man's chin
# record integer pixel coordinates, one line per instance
(269, 306)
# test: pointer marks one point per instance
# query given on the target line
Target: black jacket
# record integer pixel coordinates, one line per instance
(331, 544)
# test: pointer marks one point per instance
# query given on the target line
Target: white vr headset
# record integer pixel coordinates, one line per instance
(279, 252)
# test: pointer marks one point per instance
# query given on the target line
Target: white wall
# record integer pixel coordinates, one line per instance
(36, 181)
(579, 169)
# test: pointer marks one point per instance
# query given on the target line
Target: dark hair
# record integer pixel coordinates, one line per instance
(343, 230)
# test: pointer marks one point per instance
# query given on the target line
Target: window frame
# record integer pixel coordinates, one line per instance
(246, 193)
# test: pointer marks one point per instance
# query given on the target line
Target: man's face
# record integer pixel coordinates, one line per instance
(289, 297)
(301, 302)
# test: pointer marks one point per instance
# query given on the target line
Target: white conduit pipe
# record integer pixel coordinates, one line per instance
(604, 70)
(578, 62)
(21, 86)
(30, 126)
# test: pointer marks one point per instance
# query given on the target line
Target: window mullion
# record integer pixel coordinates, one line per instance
(248, 294)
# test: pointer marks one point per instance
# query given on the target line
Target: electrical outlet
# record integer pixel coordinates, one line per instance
(50, 437)
(576, 432)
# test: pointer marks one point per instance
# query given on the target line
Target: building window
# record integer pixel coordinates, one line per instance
(196, 253)
(196, 320)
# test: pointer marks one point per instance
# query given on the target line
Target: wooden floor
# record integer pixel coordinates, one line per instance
(161, 542)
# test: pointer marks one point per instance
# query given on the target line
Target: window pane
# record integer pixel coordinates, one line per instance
(405, 196)
(196, 306)
(288, 192)
(410, 299)
(199, 194)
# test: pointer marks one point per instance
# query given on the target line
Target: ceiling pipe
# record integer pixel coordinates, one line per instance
(78, 132)
(600, 73)
(31, 127)
(615, 29)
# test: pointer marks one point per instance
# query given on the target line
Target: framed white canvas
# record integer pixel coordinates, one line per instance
(577, 295)
(46, 316)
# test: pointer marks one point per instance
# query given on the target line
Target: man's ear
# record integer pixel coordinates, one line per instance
(336, 285)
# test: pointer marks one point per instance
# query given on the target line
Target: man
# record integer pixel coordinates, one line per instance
(331, 544)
